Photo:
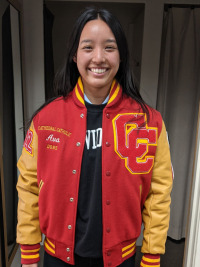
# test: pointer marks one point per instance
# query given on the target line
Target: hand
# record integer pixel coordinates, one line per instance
(30, 265)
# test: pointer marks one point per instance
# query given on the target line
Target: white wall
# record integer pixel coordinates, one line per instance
(192, 248)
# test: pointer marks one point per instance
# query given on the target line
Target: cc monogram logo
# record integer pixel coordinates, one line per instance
(133, 140)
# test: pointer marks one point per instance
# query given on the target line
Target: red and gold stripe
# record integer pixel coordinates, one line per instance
(150, 260)
(30, 254)
(130, 249)
(115, 88)
(49, 246)
(79, 91)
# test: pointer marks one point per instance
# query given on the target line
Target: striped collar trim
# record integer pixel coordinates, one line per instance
(79, 91)
(115, 92)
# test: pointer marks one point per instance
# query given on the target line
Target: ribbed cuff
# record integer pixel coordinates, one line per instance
(150, 260)
(30, 254)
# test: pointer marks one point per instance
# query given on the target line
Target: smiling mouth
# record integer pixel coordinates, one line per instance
(98, 71)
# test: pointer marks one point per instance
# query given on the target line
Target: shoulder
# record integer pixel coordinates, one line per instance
(52, 110)
(54, 105)
(130, 103)
(152, 116)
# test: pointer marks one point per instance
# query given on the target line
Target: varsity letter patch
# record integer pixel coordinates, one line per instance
(28, 142)
(133, 140)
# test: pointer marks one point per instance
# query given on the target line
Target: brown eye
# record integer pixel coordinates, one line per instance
(110, 48)
(87, 48)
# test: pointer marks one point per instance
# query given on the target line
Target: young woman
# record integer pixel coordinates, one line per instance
(95, 161)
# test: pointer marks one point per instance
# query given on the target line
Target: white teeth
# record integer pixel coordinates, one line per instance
(98, 70)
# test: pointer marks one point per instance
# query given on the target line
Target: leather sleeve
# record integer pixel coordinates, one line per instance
(28, 228)
(156, 212)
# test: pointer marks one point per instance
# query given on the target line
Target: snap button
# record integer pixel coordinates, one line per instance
(108, 230)
(78, 144)
(69, 227)
(108, 173)
(71, 199)
(74, 171)
(82, 115)
(109, 263)
(107, 115)
(107, 144)
(68, 258)
(108, 253)
(107, 202)
(68, 249)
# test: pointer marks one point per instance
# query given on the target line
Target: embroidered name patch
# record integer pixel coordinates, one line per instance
(53, 139)
(28, 142)
(54, 129)
(133, 140)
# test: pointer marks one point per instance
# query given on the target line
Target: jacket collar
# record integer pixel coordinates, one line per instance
(114, 95)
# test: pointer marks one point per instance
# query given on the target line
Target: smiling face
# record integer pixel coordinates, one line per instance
(97, 58)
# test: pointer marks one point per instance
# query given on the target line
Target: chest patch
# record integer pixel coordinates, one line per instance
(28, 142)
(133, 140)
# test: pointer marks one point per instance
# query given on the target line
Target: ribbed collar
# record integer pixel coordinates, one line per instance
(114, 95)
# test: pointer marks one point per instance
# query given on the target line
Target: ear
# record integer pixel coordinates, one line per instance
(74, 58)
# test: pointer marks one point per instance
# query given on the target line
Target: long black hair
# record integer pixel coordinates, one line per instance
(66, 78)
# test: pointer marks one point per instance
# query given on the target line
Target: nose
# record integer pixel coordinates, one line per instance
(98, 56)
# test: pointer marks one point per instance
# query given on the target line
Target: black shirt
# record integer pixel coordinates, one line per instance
(88, 236)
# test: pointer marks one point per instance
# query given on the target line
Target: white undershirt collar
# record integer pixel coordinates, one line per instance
(88, 101)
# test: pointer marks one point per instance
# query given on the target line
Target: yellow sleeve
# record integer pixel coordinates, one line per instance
(156, 212)
(28, 229)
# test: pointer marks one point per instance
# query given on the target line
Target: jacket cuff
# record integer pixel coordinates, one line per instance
(30, 254)
(150, 260)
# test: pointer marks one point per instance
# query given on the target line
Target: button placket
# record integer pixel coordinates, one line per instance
(109, 253)
(108, 173)
(107, 115)
(107, 202)
(107, 144)
(78, 144)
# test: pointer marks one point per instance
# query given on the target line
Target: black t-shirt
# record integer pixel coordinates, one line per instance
(88, 237)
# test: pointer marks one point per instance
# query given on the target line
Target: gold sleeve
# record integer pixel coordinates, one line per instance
(28, 229)
(156, 212)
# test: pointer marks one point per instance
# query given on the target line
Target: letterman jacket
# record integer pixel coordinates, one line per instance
(136, 179)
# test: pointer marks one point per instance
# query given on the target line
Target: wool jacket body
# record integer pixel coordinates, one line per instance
(136, 178)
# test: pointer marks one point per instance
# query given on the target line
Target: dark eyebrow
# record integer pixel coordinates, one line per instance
(86, 41)
(90, 41)
(111, 41)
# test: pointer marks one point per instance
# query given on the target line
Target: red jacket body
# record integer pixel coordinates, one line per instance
(136, 178)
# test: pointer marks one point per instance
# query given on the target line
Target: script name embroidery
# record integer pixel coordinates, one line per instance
(53, 139)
